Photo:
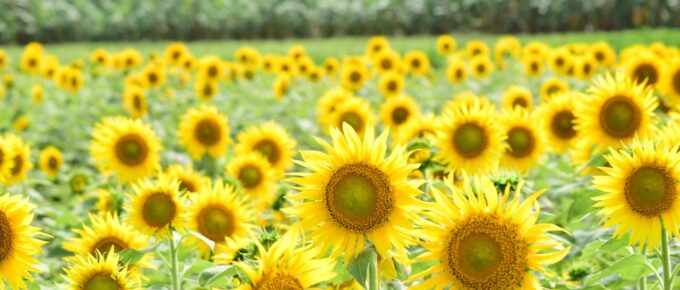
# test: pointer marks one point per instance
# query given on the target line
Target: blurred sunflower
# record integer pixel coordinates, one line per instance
(456, 72)
(560, 61)
(387, 61)
(376, 45)
(255, 176)
(190, 181)
(446, 44)
(671, 82)
(480, 67)
(417, 62)
(533, 65)
(206, 89)
(398, 111)
(422, 126)
(37, 93)
(126, 147)
(525, 139)
(102, 272)
(585, 67)
(281, 86)
(297, 52)
(271, 141)
(327, 103)
(476, 48)
(517, 96)
(330, 67)
(552, 86)
(6, 158)
(269, 62)
(175, 52)
(644, 68)
(51, 161)
(558, 119)
(21, 159)
(203, 130)
(153, 76)
(391, 84)
(603, 54)
(480, 240)
(355, 111)
(100, 57)
(4, 60)
(134, 101)
(155, 206)
(353, 77)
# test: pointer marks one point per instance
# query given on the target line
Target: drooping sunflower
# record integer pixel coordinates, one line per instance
(391, 84)
(552, 86)
(355, 111)
(107, 232)
(19, 243)
(134, 101)
(287, 265)
(21, 159)
(126, 147)
(558, 119)
(255, 176)
(190, 181)
(221, 215)
(398, 111)
(479, 238)
(641, 191)
(155, 206)
(355, 192)
(525, 138)
(480, 67)
(271, 141)
(446, 44)
(417, 62)
(456, 72)
(616, 110)
(470, 138)
(645, 68)
(101, 272)
(204, 130)
(354, 76)
(517, 96)
(51, 161)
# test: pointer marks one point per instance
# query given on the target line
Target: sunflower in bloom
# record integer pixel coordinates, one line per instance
(174, 53)
(281, 86)
(18, 242)
(476, 48)
(4, 60)
(126, 147)
(271, 141)
(155, 206)
(153, 76)
(297, 52)
(525, 139)
(552, 86)
(222, 216)
(134, 101)
(533, 65)
(287, 265)
(446, 44)
(204, 130)
(100, 57)
(356, 192)
(671, 82)
(603, 54)
(190, 181)
(376, 45)
(456, 72)
(51, 161)
(256, 177)
(470, 138)
(517, 96)
(560, 60)
(6, 158)
(206, 89)
(480, 67)
(355, 111)
(20, 159)
(391, 84)
(101, 272)
(398, 111)
(616, 110)
(330, 67)
(645, 68)
(327, 103)
(479, 238)
(422, 126)
(558, 120)
(585, 67)
(417, 62)
(641, 190)
(387, 61)
(354, 76)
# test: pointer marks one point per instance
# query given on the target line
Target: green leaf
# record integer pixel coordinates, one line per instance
(131, 256)
(198, 266)
(632, 267)
(364, 268)
(210, 243)
(211, 275)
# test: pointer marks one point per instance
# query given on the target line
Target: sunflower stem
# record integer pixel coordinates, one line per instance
(176, 285)
(643, 280)
(665, 258)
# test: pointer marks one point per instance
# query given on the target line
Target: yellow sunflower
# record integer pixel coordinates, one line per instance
(21, 159)
(446, 44)
(644, 68)
(175, 52)
(398, 111)
(525, 138)
(476, 48)
(256, 177)
(480, 67)
(330, 67)
(671, 82)
(126, 147)
(517, 96)
(391, 84)
(134, 101)
(106, 202)
(285, 265)
(271, 141)
(422, 126)
(51, 161)
(479, 238)
(603, 54)
(281, 86)
(6, 158)
(210, 68)
(552, 86)
(376, 45)
(153, 76)
(37, 93)
(155, 206)
(456, 72)
(387, 61)
(327, 103)
(470, 138)
(206, 89)
(19, 244)
(355, 111)
(269, 62)
(417, 62)
(204, 130)
(297, 52)
(101, 272)
(533, 65)
(616, 110)
(4, 60)
(285, 66)
(190, 181)
(222, 216)
(641, 191)
(558, 119)
(353, 76)
(356, 192)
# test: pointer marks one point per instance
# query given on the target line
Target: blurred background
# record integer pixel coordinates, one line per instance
(22, 21)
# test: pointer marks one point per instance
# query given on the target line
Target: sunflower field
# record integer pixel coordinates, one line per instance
(467, 161)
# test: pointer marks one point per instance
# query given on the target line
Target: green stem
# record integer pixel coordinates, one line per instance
(176, 285)
(665, 259)
(643, 281)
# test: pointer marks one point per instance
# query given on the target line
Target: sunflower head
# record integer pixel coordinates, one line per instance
(355, 111)
(51, 160)
(353, 76)
(134, 101)
(517, 96)
(391, 84)
(552, 86)
(525, 140)
(446, 44)
(271, 141)
(481, 67)
(558, 119)
(398, 111)
(327, 103)
(645, 69)
(417, 62)
(256, 177)
(203, 130)
(20, 155)
(156, 207)
(456, 72)
(100, 271)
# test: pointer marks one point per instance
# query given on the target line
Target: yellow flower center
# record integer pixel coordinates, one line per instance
(6, 241)
(207, 132)
(250, 176)
(650, 191)
(215, 223)
(269, 149)
(469, 140)
(484, 252)
(562, 124)
(105, 244)
(359, 197)
(354, 120)
(159, 210)
(620, 117)
(278, 281)
(101, 281)
(131, 150)
(400, 115)
(646, 72)
(521, 142)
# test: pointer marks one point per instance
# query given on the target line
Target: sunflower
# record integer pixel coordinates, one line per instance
(303, 66)
(102, 272)
(51, 161)
(387, 61)
(354, 76)
(6, 158)
(391, 84)
(479, 238)
(585, 67)
(37, 93)
(21, 159)
(517, 96)
(525, 139)
(106, 202)
(552, 86)
(281, 86)
(269, 62)
(18, 244)
(560, 60)
(105, 233)
(285, 265)
(398, 111)
(417, 62)
(641, 191)
(21, 123)
(470, 138)
(355, 111)
(206, 89)
(507, 47)
(285, 66)
(49, 67)
(271, 141)
(446, 44)
(126, 147)
(4, 60)
(100, 57)
(190, 181)
(376, 45)
(203, 130)
(645, 68)
(456, 72)
(671, 82)
(330, 66)
(616, 110)
(134, 101)
(481, 67)
(222, 216)
(355, 192)
(297, 52)
(175, 52)
(421, 126)
(603, 54)
(255, 176)
(155, 206)
(533, 65)
(30, 61)
(558, 119)
(327, 103)
(153, 76)
(476, 48)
